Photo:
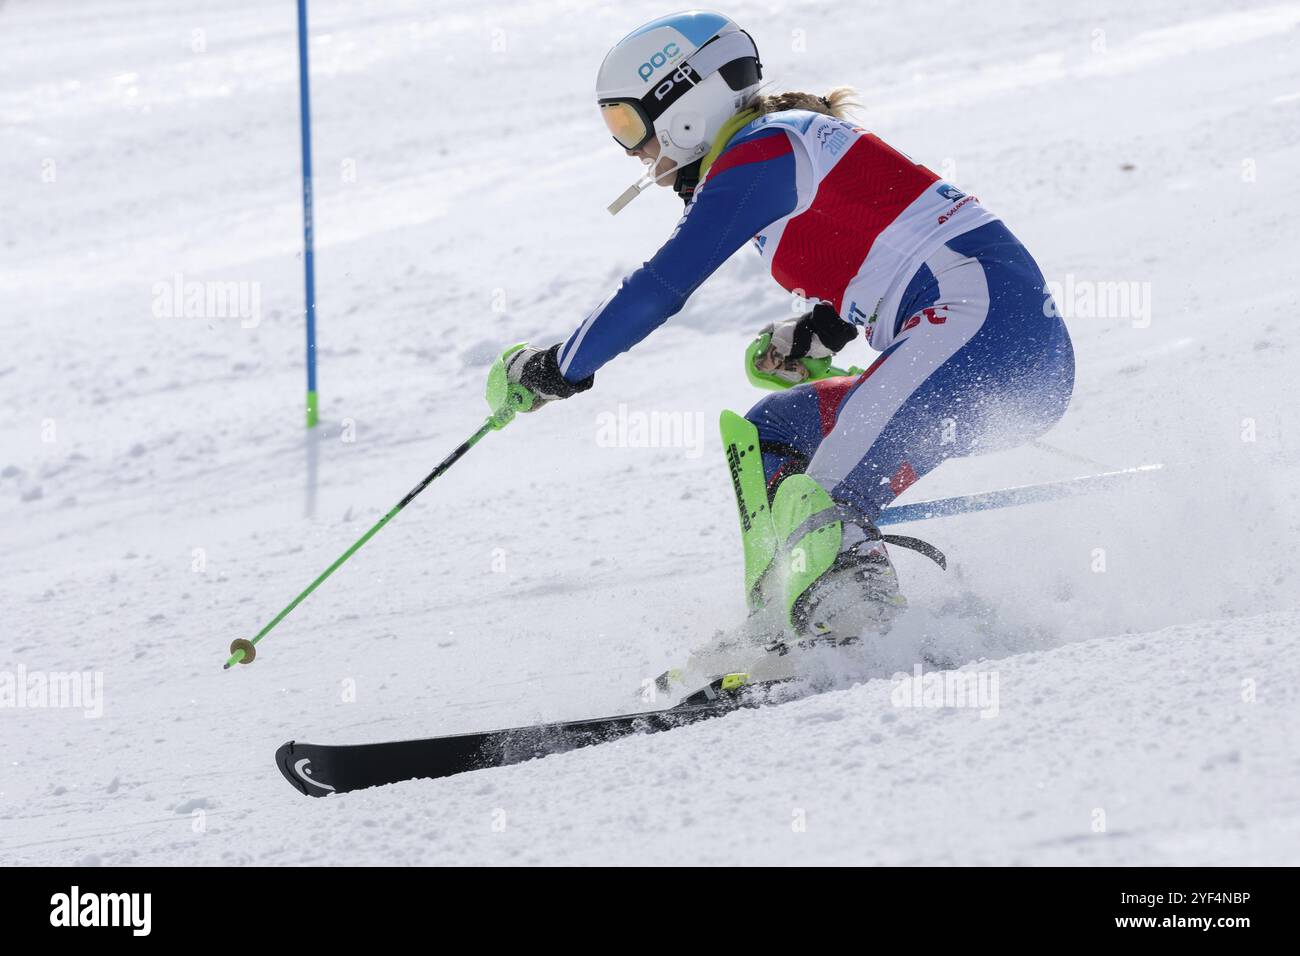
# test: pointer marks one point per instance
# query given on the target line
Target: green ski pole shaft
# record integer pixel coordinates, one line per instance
(242, 651)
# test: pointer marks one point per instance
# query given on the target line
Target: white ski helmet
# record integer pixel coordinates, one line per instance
(678, 79)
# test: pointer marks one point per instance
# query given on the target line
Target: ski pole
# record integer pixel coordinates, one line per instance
(242, 650)
(760, 369)
(504, 397)
(1009, 497)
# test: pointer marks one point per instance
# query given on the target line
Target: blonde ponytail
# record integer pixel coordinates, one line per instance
(838, 102)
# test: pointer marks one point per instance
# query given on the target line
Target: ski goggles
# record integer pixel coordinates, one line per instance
(627, 122)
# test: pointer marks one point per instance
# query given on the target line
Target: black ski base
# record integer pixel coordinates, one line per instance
(318, 770)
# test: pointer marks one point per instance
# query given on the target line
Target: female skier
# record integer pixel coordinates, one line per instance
(972, 354)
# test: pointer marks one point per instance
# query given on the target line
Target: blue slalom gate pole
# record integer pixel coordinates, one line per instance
(1009, 497)
(308, 255)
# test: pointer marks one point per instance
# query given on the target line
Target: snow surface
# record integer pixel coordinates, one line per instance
(1144, 644)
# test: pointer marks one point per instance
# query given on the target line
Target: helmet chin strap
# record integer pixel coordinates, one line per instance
(645, 182)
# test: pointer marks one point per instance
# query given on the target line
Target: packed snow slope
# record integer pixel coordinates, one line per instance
(160, 497)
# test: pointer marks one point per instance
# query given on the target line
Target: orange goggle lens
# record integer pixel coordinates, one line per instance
(625, 123)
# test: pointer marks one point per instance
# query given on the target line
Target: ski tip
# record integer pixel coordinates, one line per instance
(295, 765)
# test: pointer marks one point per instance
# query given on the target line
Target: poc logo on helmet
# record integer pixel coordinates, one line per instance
(647, 69)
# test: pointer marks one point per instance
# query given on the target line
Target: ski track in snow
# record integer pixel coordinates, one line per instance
(1144, 643)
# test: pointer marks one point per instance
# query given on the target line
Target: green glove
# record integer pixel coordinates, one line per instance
(505, 397)
(524, 378)
(767, 369)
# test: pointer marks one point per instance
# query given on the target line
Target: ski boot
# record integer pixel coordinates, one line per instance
(735, 648)
(838, 578)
